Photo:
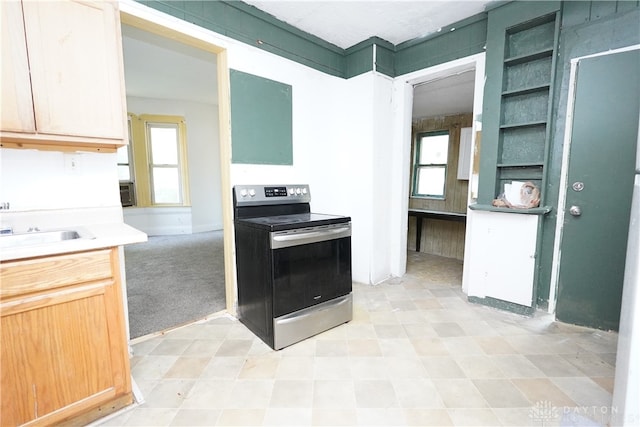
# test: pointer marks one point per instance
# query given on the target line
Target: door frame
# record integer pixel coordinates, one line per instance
(564, 172)
(145, 18)
(403, 86)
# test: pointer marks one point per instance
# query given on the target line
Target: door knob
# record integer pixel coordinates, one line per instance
(575, 210)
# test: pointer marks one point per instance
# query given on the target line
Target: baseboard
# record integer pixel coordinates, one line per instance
(522, 310)
(201, 228)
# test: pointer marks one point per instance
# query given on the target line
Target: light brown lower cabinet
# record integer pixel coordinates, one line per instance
(64, 355)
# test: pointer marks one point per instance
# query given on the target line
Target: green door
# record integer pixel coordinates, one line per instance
(599, 190)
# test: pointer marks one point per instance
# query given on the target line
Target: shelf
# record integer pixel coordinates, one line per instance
(542, 210)
(525, 91)
(520, 173)
(38, 141)
(528, 57)
(521, 165)
(524, 124)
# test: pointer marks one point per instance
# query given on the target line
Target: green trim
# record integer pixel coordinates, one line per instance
(467, 38)
(386, 59)
(250, 25)
(504, 305)
(417, 166)
(359, 59)
(247, 24)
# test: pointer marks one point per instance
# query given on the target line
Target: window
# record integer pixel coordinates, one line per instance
(163, 144)
(430, 165)
(125, 165)
(160, 160)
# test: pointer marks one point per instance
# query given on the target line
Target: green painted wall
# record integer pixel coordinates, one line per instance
(502, 20)
(360, 57)
(455, 41)
(262, 128)
(587, 28)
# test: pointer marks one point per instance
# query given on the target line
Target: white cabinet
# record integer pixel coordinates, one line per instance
(63, 76)
(500, 262)
(17, 105)
(464, 154)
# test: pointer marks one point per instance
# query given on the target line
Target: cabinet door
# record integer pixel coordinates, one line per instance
(63, 347)
(75, 55)
(16, 107)
(502, 256)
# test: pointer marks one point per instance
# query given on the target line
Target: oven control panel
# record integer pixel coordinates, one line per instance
(271, 194)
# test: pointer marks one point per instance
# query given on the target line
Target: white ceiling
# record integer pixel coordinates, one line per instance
(346, 23)
(446, 96)
(158, 67)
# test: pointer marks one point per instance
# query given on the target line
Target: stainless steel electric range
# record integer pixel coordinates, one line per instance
(293, 266)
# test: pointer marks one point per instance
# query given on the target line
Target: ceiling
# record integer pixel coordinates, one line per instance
(346, 23)
(162, 68)
(158, 67)
(446, 96)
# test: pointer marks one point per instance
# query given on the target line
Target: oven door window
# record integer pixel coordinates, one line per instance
(309, 274)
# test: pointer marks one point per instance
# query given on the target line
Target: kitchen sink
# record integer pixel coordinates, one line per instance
(37, 238)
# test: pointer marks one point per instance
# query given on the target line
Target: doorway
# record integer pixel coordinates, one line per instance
(441, 125)
(474, 66)
(167, 66)
(598, 188)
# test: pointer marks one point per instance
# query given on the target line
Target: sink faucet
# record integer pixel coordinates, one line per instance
(33, 229)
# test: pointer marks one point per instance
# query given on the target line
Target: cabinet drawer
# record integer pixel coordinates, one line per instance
(38, 274)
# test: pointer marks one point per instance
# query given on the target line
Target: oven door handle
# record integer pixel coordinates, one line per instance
(279, 241)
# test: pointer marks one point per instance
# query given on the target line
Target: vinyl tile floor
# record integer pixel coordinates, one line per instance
(416, 353)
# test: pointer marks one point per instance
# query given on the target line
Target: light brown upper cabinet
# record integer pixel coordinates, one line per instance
(63, 75)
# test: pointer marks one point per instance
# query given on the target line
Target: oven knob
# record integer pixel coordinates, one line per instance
(291, 191)
(243, 193)
(298, 191)
(252, 192)
(304, 190)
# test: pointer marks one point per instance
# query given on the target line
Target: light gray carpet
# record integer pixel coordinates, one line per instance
(173, 280)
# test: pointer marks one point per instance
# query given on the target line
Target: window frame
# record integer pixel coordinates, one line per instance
(418, 166)
(130, 155)
(142, 159)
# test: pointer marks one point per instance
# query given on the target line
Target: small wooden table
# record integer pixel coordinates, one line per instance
(423, 213)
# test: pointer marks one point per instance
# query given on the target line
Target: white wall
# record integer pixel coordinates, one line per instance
(382, 190)
(164, 221)
(36, 180)
(355, 183)
(626, 393)
(44, 190)
(203, 152)
(338, 131)
(314, 122)
(346, 145)
(349, 140)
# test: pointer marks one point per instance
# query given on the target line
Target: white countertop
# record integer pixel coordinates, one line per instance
(93, 236)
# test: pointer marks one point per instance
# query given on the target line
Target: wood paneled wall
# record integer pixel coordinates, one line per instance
(444, 238)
